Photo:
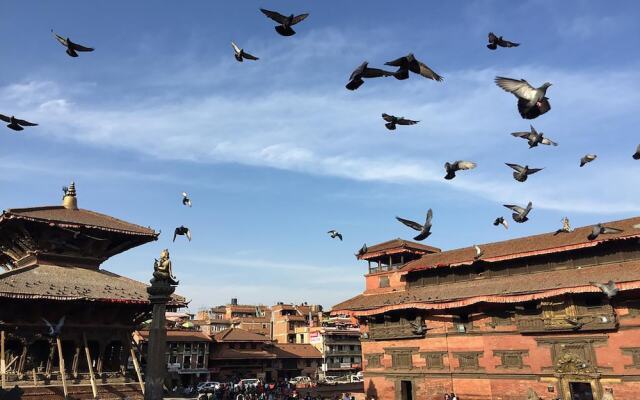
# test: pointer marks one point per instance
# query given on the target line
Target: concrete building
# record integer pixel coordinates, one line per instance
(287, 319)
(252, 318)
(338, 340)
(521, 318)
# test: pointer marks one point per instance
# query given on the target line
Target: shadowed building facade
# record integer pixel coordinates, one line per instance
(521, 317)
(50, 261)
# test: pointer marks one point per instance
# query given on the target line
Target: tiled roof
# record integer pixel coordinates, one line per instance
(546, 243)
(397, 246)
(75, 218)
(73, 283)
(239, 335)
(290, 350)
(500, 289)
(242, 354)
(180, 336)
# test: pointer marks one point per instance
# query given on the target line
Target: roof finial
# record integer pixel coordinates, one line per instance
(69, 201)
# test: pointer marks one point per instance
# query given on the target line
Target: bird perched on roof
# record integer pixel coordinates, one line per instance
(501, 221)
(15, 123)
(410, 63)
(534, 138)
(522, 173)
(587, 159)
(452, 168)
(363, 250)
(182, 231)
(636, 155)
(495, 41)
(240, 54)
(566, 227)
(72, 48)
(600, 229)
(609, 289)
(425, 230)
(479, 252)
(285, 23)
(335, 234)
(532, 102)
(392, 121)
(185, 199)
(54, 331)
(520, 214)
(363, 71)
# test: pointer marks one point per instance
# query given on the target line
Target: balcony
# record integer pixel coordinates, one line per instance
(401, 329)
(586, 319)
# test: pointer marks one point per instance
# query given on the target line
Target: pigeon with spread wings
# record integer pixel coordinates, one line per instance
(425, 230)
(452, 168)
(363, 71)
(15, 123)
(501, 221)
(72, 48)
(609, 289)
(410, 63)
(285, 22)
(520, 214)
(335, 234)
(522, 173)
(54, 331)
(182, 231)
(495, 41)
(600, 229)
(532, 102)
(240, 54)
(587, 159)
(392, 121)
(534, 138)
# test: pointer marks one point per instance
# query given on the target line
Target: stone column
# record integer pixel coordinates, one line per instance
(160, 291)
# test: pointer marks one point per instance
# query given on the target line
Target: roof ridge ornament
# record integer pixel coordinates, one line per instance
(69, 200)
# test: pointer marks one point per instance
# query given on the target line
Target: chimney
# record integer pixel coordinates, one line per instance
(234, 301)
(70, 201)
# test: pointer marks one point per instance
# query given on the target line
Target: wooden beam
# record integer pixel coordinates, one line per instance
(35, 379)
(61, 366)
(94, 388)
(3, 367)
(136, 365)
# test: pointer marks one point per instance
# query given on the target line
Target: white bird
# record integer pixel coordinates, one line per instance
(479, 252)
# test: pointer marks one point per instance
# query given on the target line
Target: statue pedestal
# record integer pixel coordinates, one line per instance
(160, 293)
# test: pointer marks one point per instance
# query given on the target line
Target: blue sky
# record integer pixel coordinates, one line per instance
(275, 153)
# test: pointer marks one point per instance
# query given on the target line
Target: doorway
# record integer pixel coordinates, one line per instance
(580, 391)
(406, 390)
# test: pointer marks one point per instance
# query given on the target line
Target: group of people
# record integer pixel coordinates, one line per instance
(450, 396)
(261, 391)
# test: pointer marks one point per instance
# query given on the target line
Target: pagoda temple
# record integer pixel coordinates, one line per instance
(66, 324)
(519, 319)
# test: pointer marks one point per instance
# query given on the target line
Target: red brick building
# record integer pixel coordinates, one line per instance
(523, 316)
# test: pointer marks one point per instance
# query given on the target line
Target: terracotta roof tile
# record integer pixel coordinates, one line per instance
(239, 335)
(290, 350)
(180, 336)
(80, 217)
(242, 354)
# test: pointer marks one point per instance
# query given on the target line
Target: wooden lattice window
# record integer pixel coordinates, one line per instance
(401, 360)
(384, 281)
(434, 359)
(468, 360)
(501, 319)
(634, 352)
(511, 359)
(374, 360)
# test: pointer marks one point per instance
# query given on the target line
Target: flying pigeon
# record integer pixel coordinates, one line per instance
(636, 155)
(520, 214)
(455, 166)
(363, 250)
(501, 221)
(410, 63)
(15, 123)
(54, 332)
(532, 102)
(534, 138)
(609, 289)
(335, 234)
(72, 48)
(285, 23)
(182, 231)
(425, 230)
(574, 323)
(566, 227)
(521, 173)
(600, 229)
(185, 199)
(479, 252)
(587, 159)
(392, 121)
(363, 71)
(495, 41)
(240, 54)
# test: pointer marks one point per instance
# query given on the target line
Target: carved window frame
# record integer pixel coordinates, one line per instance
(383, 281)
(399, 355)
(634, 353)
(434, 359)
(374, 360)
(469, 360)
(511, 359)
